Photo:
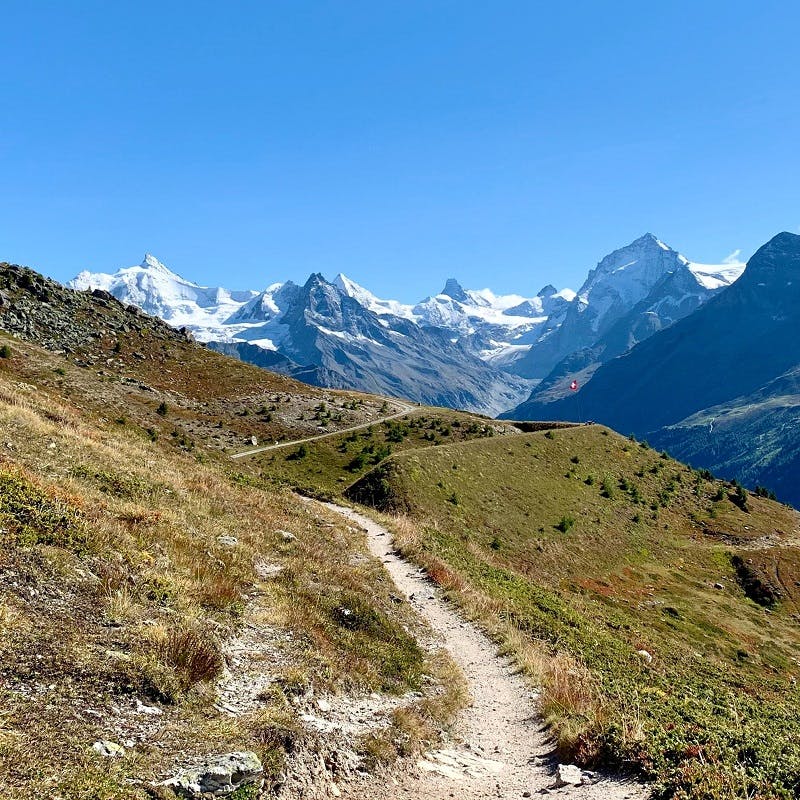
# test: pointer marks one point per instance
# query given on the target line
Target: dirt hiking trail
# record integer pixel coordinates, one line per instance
(499, 748)
(405, 408)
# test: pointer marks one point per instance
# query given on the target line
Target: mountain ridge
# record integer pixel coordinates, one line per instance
(464, 347)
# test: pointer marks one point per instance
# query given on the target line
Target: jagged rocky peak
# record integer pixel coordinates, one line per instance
(645, 247)
(350, 288)
(547, 291)
(631, 271)
(323, 299)
(316, 279)
(453, 289)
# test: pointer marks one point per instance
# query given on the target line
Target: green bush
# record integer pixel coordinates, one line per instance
(28, 516)
(608, 490)
(565, 523)
(298, 454)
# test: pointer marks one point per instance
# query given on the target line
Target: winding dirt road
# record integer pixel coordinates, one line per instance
(405, 408)
(499, 748)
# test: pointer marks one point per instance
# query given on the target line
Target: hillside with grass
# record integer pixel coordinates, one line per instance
(326, 467)
(138, 372)
(656, 606)
(165, 594)
(157, 597)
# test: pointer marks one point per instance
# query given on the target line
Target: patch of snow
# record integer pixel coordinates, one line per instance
(717, 276)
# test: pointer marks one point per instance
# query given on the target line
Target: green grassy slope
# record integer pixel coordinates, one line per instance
(325, 468)
(580, 549)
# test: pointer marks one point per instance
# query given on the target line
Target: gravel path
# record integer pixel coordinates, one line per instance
(499, 747)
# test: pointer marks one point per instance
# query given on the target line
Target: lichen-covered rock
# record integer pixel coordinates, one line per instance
(218, 775)
(108, 749)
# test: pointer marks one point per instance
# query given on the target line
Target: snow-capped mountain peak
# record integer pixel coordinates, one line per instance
(151, 262)
(369, 300)
(632, 270)
(159, 291)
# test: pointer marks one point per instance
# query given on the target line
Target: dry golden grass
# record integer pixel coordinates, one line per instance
(141, 607)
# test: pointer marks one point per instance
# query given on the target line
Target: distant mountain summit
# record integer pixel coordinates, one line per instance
(158, 291)
(464, 347)
(636, 278)
(452, 288)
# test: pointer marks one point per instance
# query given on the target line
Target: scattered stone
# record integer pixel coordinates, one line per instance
(568, 775)
(227, 541)
(287, 536)
(334, 790)
(323, 705)
(108, 749)
(645, 656)
(718, 586)
(265, 570)
(153, 711)
(218, 775)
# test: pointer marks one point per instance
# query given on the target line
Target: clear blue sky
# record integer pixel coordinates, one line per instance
(509, 144)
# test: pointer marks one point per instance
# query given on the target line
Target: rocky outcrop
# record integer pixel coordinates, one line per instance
(218, 776)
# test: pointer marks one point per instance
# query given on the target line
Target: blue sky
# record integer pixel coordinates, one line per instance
(509, 144)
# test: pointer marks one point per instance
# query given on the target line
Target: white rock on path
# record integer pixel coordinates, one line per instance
(568, 775)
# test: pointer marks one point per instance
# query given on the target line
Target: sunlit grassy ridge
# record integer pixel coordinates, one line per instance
(326, 467)
(623, 580)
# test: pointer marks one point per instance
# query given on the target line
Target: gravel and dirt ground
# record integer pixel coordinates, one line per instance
(499, 747)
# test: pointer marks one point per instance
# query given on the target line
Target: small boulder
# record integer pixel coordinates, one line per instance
(287, 536)
(108, 749)
(568, 775)
(218, 775)
(227, 541)
(645, 656)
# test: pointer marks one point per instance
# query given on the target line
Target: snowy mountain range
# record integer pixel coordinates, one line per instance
(464, 348)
